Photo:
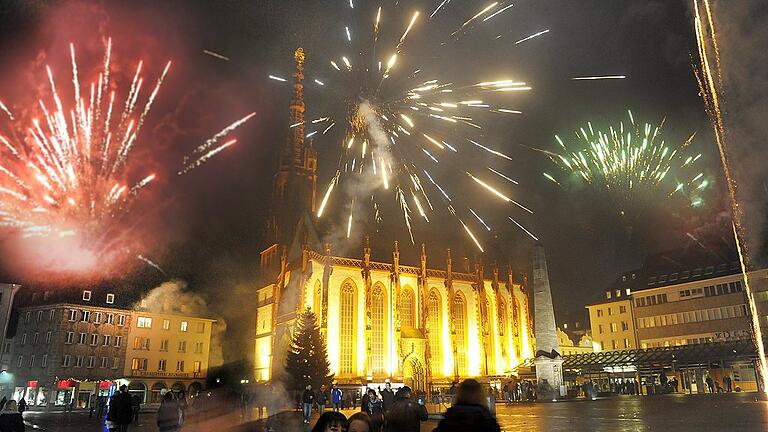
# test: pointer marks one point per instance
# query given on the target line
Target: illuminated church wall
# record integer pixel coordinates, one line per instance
(371, 349)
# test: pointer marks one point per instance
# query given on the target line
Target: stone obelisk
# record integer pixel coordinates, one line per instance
(549, 363)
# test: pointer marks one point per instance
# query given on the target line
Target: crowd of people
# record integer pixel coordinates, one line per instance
(402, 411)
(519, 391)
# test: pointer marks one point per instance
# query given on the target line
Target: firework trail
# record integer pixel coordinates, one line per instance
(67, 179)
(630, 161)
(709, 77)
(401, 122)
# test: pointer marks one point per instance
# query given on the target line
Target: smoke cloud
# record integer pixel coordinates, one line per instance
(172, 297)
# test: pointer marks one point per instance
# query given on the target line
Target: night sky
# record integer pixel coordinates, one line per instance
(206, 227)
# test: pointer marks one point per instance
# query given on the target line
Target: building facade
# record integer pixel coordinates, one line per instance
(7, 294)
(613, 322)
(66, 351)
(415, 325)
(167, 351)
(569, 347)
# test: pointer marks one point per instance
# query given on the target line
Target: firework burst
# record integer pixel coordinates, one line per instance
(631, 161)
(67, 179)
(407, 127)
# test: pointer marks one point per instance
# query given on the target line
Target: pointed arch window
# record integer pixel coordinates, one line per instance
(347, 329)
(407, 308)
(459, 309)
(378, 329)
(433, 324)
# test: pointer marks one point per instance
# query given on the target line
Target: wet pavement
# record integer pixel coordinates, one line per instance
(679, 413)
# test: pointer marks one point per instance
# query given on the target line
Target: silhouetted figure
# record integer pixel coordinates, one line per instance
(469, 413)
(710, 384)
(387, 396)
(405, 415)
(120, 409)
(11, 419)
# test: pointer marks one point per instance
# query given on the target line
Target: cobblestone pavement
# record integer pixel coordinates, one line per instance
(679, 413)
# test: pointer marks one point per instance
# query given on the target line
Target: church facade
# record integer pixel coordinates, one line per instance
(420, 325)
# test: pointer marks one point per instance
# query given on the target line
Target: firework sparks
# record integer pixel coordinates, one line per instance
(66, 178)
(217, 55)
(151, 263)
(709, 77)
(67, 182)
(599, 77)
(396, 119)
(630, 160)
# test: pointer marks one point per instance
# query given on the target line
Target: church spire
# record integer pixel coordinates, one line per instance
(294, 148)
(294, 183)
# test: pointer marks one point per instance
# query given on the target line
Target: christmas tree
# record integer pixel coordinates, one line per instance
(307, 361)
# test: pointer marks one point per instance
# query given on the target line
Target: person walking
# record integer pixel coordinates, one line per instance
(336, 397)
(364, 402)
(728, 383)
(469, 412)
(405, 414)
(22, 405)
(92, 401)
(135, 407)
(321, 399)
(11, 419)
(102, 405)
(710, 384)
(120, 410)
(307, 400)
(169, 413)
(387, 396)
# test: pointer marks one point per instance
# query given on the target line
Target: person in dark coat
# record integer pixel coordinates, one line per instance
(469, 412)
(387, 396)
(364, 402)
(169, 413)
(121, 409)
(22, 405)
(11, 419)
(405, 415)
(307, 400)
(373, 405)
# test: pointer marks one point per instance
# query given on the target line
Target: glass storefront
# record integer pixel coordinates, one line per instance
(42, 397)
(64, 396)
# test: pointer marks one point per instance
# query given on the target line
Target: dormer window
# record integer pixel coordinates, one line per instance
(608, 295)
(110, 298)
(86, 295)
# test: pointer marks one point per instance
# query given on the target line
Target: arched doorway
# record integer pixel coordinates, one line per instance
(414, 376)
(139, 389)
(155, 394)
(178, 387)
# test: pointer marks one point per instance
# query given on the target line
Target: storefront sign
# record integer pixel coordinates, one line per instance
(65, 384)
(32, 384)
(163, 374)
(105, 385)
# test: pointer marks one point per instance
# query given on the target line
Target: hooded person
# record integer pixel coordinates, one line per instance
(168, 414)
(405, 415)
(11, 419)
(469, 412)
